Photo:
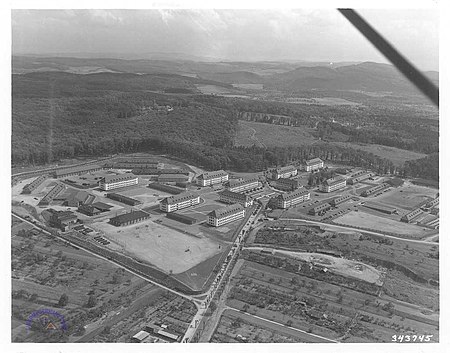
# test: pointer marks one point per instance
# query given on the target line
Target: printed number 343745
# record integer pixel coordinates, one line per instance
(411, 338)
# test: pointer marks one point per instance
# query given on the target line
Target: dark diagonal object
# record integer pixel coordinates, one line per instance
(406, 68)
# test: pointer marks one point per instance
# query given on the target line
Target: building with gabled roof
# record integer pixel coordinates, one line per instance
(129, 218)
(359, 176)
(319, 209)
(27, 189)
(110, 182)
(333, 184)
(210, 178)
(225, 215)
(340, 199)
(231, 197)
(284, 172)
(242, 184)
(178, 202)
(78, 170)
(374, 189)
(289, 199)
(411, 215)
(287, 184)
(313, 164)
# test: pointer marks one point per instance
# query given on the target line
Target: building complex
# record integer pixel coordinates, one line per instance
(231, 197)
(359, 176)
(61, 173)
(210, 178)
(225, 215)
(289, 199)
(284, 172)
(178, 202)
(374, 189)
(110, 182)
(313, 164)
(287, 184)
(241, 184)
(333, 184)
(129, 218)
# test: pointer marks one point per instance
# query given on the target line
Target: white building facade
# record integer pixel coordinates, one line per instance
(178, 202)
(226, 215)
(118, 181)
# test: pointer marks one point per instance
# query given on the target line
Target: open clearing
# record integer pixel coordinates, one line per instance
(166, 248)
(382, 224)
(408, 196)
(272, 135)
(342, 266)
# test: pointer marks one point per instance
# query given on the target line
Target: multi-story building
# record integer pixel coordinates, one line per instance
(231, 197)
(177, 202)
(287, 184)
(225, 215)
(241, 184)
(210, 178)
(374, 190)
(411, 215)
(110, 182)
(284, 172)
(359, 176)
(313, 164)
(289, 199)
(129, 218)
(333, 184)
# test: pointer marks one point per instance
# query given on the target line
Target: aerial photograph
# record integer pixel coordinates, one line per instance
(224, 176)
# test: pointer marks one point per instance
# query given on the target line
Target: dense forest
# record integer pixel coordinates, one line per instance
(59, 115)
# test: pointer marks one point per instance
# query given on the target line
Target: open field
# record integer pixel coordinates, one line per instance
(382, 224)
(251, 133)
(321, 101)
(166, 248)
(213, 89)
(408, 196)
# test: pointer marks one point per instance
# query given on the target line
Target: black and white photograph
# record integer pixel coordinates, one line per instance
(224, 174)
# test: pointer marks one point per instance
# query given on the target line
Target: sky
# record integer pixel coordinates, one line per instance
(240, 35)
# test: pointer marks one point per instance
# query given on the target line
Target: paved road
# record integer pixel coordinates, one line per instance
(203, 307)
(358, 230)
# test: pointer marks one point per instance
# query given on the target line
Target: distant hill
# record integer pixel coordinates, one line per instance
(367, 76)
(233, 77)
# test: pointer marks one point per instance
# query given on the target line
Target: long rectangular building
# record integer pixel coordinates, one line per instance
(122, 198)
(231, 197)
(129, 218)
(110, 182)
(241, 184)
(359, 176)
(319, 209)
(313, 164)
(210, 178)
(55, 191)
(411, 215)
(27, 189)
(333, 184)
(340, 199)
(172, 178)
(178, 202)
(60, 173)
(289, 199)
(374, 190)
(226, 215)
(285, 172)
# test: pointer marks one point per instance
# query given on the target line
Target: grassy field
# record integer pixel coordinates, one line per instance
(261, 134)
(166, 248)
(382, 224)
(408, 196)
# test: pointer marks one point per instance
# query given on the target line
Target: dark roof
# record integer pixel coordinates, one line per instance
(212, 175)
(88, 208)
(342, 198)
(80, 169)
(102, 205)
(226, 211)
(236, 195)
(287, 169)
(288, 181)
(115, 178)
(313, 161)
(127, 217)
(333, 181)
(171, 200)
(287, 196)
(173, 176)
(321, 206)
(241, 181)
(377, 206)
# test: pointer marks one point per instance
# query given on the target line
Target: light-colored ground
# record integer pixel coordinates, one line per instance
(163, 247)
(382, 224)
(342, 266)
